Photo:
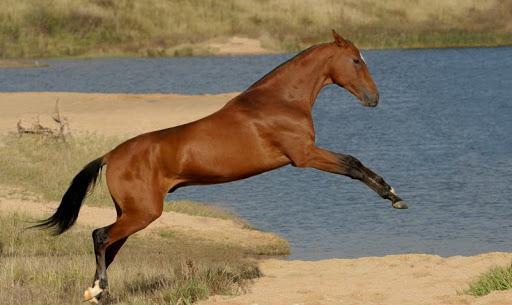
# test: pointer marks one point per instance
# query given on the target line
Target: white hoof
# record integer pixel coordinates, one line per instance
(92, 292)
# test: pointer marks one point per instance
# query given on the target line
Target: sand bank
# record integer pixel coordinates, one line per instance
(108, 114)
(411, 279)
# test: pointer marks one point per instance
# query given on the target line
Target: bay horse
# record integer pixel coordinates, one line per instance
(267, 126)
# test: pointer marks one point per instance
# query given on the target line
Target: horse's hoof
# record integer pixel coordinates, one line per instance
(400, 205)
(92, 292)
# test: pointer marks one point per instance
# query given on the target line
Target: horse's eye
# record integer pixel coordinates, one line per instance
(356, 60)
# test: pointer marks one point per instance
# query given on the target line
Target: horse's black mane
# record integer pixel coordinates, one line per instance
(284, 63)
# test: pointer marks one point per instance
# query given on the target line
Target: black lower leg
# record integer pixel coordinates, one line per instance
(100, 237)
(357, 170)
(380, 186)
(383, 189)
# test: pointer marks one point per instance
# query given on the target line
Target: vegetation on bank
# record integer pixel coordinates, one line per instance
(199, 209)
(48, 28)
(497, 278)
(40, 269)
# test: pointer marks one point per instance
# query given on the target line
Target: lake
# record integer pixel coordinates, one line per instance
(441, 136)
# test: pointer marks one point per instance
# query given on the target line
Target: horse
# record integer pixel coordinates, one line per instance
(267, 126)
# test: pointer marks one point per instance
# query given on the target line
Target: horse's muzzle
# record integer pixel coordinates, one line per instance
(370, 100)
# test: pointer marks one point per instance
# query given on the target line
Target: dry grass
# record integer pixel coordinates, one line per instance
(206, 210)
(39, 269)
(46, 166)
(199, 209)
(46, 28)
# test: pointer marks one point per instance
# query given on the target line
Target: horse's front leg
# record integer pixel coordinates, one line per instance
(347, 165)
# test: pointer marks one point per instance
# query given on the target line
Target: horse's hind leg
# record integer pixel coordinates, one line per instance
(106, 257)
(108, 240)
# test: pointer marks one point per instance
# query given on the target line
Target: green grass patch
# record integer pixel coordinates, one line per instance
(497, 278)
(38, 269)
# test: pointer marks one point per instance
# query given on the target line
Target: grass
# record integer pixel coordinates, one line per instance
(199, 209)
(194, 208)
(46, 166)
(39, 269)
(49, 28)
(497, 278)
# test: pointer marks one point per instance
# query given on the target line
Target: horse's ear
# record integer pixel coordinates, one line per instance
(340, 41)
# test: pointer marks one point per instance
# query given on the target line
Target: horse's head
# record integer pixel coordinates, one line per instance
(348, 70)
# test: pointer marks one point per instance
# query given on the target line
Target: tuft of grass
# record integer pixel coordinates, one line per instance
(38, 269)
(497, 278)
(49, 28)
(46, 166)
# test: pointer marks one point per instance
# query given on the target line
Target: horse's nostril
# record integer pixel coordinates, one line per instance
(371, 100)
(374, 100)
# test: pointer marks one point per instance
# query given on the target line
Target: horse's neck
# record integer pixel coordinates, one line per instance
(300, 79)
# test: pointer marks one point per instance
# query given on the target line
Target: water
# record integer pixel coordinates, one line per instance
(441, 137)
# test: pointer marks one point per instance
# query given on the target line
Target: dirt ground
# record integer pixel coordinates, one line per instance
(409, 279)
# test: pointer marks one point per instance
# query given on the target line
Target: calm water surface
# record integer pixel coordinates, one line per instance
(442, 137)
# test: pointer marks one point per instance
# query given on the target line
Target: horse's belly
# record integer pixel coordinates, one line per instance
(228, 160)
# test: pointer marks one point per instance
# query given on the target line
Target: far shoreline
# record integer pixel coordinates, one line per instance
(39, 62)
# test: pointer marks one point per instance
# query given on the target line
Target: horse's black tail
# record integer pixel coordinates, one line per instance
(69, 207)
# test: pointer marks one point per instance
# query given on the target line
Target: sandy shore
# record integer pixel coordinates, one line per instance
(412, 279)
(108, 114)
(20, 63)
